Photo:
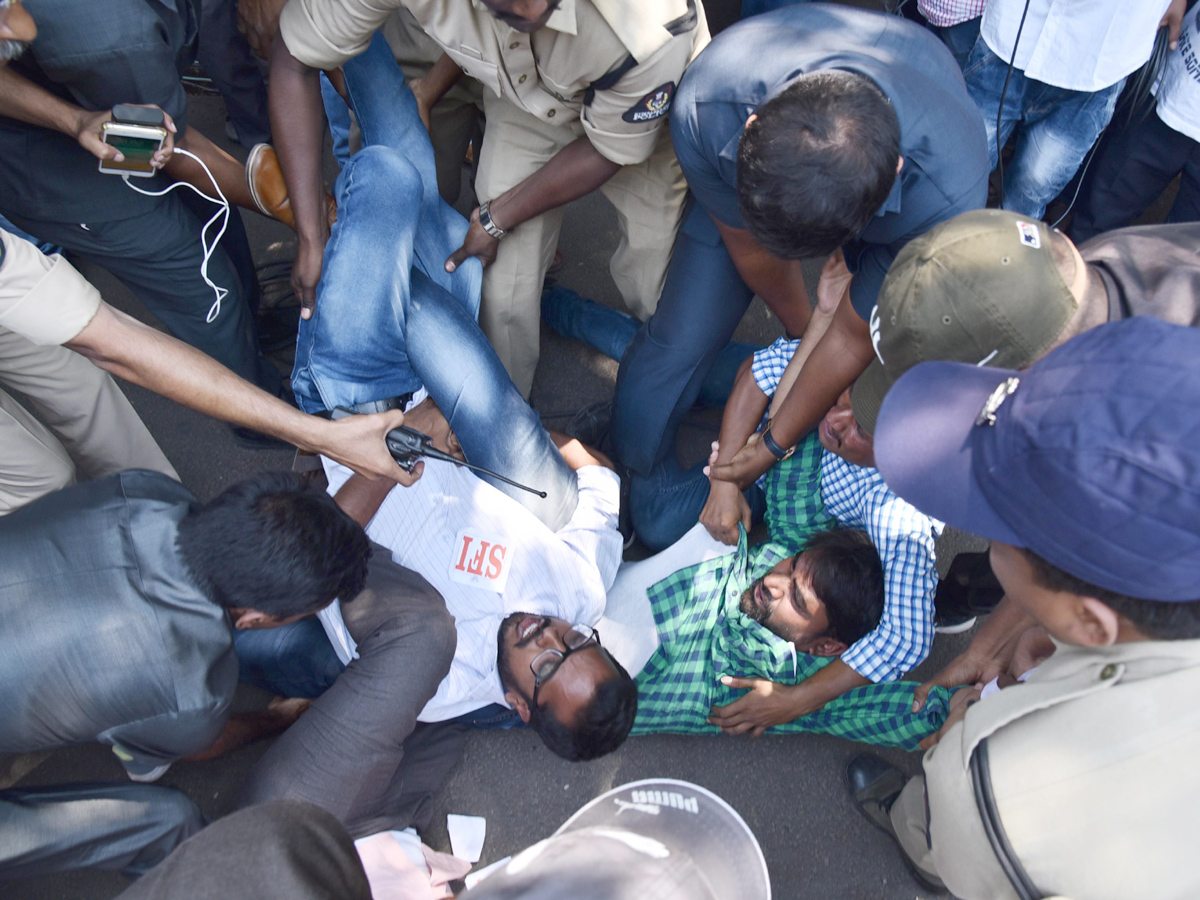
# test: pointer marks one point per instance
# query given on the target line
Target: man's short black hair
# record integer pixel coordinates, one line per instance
(270, 543)
(817, 163)
(847, 575)
(1157, 619)
(600, 727)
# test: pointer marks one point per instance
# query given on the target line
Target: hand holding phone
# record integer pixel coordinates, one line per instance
(128, 139)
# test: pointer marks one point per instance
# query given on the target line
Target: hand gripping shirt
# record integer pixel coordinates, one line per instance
(703, 635)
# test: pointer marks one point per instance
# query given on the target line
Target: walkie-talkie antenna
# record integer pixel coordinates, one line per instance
(434, 453)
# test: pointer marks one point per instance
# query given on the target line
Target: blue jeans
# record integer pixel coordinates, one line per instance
(959, 39)
(389, 318)
(1058, 127)
(338, 114)
(297, 660)
(666, 501)
(293, 660)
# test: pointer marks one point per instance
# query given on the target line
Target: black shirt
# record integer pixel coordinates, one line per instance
(93, 54)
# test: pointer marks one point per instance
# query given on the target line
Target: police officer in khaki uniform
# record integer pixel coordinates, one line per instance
(577, 94)
(1084, 471)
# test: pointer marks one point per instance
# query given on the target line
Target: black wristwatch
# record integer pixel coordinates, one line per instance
(778, 452)
(485, 221)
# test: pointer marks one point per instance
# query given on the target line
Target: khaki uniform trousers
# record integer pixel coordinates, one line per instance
(649, 201)
(87, 427)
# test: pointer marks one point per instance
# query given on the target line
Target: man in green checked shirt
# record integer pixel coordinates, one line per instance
(758, 613)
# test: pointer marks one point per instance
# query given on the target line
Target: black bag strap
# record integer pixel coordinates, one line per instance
(608, 80)
(981, 777)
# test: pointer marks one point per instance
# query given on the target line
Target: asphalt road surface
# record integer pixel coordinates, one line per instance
(789, 789)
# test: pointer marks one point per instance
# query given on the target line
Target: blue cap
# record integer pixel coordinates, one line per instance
(1090, 458)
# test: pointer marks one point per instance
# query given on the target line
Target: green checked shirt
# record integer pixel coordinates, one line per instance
(703, 634)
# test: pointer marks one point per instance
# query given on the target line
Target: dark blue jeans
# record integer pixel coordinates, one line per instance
(1132, 167)
(294, 660)
(667, 500)
(960, 39)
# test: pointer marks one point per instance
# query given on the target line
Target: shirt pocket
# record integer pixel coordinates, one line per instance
(569, 95)
(472, 62)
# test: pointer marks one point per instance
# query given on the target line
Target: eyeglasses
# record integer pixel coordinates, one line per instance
(545, 664)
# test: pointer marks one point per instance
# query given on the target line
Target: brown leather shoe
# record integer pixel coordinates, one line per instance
(264, 178)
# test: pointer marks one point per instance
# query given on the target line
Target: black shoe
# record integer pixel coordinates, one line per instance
(591, 424)
(625, 516)
(968, 590)
(874, 786)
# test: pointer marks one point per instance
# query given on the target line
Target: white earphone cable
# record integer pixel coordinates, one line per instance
(208, 246)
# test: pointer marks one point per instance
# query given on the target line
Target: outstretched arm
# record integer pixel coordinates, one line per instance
(136, 352)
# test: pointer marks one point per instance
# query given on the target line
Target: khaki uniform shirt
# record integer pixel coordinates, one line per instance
(1093, 773)
(42, 298)
(548, 73)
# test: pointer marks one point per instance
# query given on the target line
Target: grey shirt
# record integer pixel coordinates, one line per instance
(107, 636)
(1153, 270)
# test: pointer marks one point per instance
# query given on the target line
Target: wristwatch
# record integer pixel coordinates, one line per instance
(770, 443)
(485, 221)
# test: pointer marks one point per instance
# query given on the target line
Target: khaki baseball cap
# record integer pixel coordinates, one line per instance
(982, 288)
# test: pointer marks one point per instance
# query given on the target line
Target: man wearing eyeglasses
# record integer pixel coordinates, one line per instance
(523, 597)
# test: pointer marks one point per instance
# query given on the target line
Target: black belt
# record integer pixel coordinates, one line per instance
(376, 406)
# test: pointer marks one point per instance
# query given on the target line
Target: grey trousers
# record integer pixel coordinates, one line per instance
(345, 753)
(282, 850)
(130, 827)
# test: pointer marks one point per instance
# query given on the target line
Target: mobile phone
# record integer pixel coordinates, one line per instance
(138, 144)
(128, 114)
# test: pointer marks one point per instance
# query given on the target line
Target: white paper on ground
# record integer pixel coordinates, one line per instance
(466, 836)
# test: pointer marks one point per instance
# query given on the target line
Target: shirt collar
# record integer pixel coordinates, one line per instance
(563, 18)
(892, 203)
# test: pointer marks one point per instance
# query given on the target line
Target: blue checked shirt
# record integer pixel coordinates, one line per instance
(904, 537)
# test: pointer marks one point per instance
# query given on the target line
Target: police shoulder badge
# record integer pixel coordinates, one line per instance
(654, 105)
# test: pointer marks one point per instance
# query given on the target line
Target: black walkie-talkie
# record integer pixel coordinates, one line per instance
(407, 446)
